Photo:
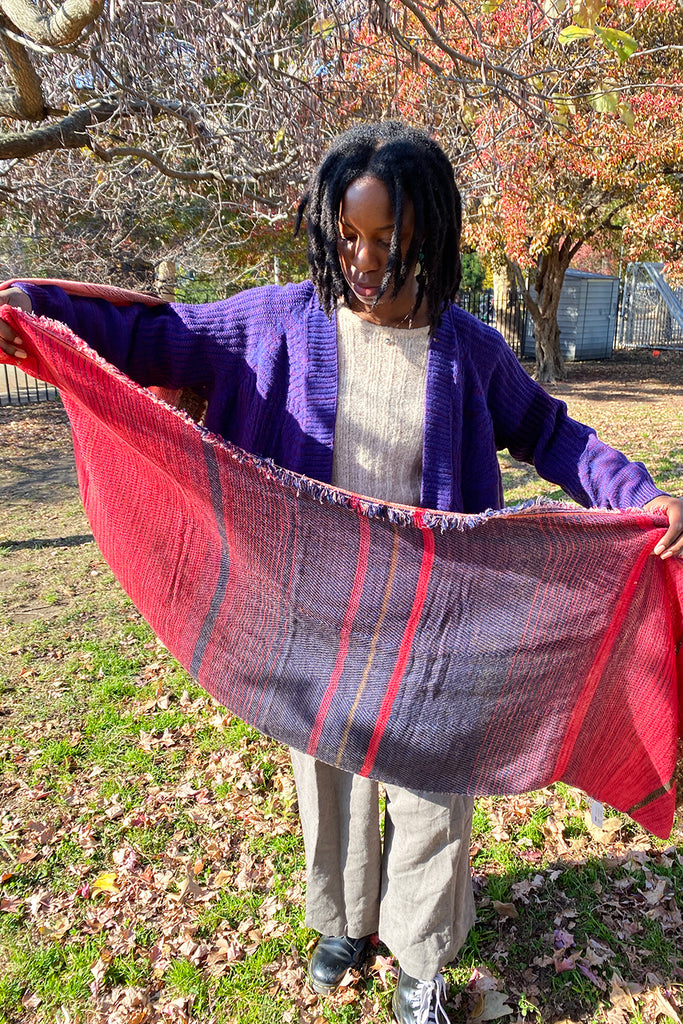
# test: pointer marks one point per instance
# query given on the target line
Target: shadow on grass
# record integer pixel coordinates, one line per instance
(35, 543)
(611, 393)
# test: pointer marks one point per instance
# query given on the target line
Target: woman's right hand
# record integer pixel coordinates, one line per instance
(9, 342)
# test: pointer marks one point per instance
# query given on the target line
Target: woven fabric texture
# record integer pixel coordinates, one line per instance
(469, 654)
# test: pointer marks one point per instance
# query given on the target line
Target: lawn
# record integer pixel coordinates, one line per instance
(151, 861)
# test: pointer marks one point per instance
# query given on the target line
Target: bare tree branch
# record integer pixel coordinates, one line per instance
(25, 101)
(58, 27)
(69, 133)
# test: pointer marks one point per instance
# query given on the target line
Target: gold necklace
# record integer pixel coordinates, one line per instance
(398, 325)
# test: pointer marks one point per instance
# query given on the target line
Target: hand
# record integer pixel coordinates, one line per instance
(9, 342)
(672, 542)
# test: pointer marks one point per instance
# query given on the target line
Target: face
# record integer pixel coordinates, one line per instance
(366, 224)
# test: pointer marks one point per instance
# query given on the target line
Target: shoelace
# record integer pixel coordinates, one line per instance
(429, 1000)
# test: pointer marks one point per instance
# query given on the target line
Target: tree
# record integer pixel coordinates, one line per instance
(473, 272)
(564, 124)
(151, 130)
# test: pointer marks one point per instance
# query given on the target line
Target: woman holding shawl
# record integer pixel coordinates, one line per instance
(370, 377)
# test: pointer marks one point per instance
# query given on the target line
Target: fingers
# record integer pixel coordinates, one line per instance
(671, 544)
(10, 343)
(13, 348)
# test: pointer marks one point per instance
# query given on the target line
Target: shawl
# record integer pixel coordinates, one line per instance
(481, 654)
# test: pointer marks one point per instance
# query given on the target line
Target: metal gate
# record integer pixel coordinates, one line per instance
(651, 310)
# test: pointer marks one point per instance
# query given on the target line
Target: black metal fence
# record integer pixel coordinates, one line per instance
(650, 316)
(18, 389)
(479, 304)
(509, 317)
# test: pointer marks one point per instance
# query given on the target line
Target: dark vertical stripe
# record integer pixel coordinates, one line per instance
(224, 568)
(347, 625)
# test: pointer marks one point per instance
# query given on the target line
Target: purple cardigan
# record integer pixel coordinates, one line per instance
(266, 361)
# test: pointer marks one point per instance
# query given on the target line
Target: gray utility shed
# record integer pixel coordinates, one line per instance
(587, 317)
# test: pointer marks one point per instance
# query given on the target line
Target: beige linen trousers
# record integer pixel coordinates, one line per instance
(413, 888)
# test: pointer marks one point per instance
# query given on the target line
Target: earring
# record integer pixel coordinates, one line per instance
(418, 263)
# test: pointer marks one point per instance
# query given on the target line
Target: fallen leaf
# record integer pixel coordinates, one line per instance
(562, 939)
(98, 970)
(656, 894)
(656, 1005)
(125, 857)
(490, 1006)
(564, 963)
(11, 904)
(28, 854)
(106, 882)
(57, 928)
(621, 1000)
(505, 909)
(606, 834)
(591, 975)
(482, 980)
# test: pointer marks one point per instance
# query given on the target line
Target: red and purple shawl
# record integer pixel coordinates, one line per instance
(472, 654)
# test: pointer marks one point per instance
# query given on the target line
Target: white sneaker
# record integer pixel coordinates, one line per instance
(420, 1002)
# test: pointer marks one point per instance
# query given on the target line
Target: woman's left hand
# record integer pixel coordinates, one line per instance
(672, 542)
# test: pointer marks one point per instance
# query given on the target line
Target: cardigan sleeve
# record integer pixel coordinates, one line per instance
(166, 345)
(536, 428)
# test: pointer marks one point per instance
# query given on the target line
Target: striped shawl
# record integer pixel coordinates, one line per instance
(482, 654)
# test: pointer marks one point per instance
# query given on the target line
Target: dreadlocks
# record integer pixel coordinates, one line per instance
(411, 166)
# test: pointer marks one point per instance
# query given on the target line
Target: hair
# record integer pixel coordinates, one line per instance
(411, 166)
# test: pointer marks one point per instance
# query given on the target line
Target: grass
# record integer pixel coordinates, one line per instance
(150, 853)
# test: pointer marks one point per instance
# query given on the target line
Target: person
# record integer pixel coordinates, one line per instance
(370, 377)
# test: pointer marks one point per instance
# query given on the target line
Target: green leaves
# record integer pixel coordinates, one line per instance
(622, 43)
(554, 8)
(626, 114)
(572, 33)
(605, 102)
(610, 101)
(619, 42)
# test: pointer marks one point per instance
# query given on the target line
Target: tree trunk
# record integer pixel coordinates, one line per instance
(165, 280)
(549, 359)
(542, 298)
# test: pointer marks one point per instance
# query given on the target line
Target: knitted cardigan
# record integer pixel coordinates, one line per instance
(266, 362)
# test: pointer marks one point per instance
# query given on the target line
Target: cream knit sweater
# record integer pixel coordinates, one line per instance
(380, 409)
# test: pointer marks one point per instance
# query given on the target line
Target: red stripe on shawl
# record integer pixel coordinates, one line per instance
(406, 644)
(597, 668)
(352, 608)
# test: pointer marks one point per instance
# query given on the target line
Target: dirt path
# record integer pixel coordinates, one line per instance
(41, 516)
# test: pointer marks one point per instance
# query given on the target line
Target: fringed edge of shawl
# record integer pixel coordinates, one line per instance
(400, 515)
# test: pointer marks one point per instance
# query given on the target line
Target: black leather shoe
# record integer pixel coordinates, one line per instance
(420, 1002)
(332, 958)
